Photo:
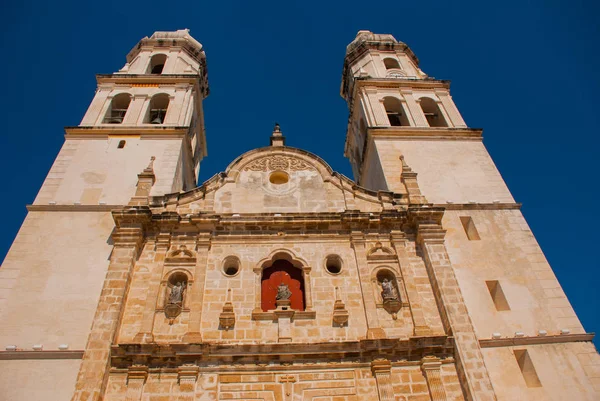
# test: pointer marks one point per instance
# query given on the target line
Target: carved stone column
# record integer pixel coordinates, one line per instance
(359, 245)
(197, 293)
(307, 288)
(257, 289)
(421, 328)
(474, 376)
(136, 378)
(128, 237)
(382, 371)
(431, 370)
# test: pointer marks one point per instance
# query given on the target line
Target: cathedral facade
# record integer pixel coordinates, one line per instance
(280, 279)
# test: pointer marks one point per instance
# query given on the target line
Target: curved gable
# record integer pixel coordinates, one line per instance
(272, 180)
(279, 180)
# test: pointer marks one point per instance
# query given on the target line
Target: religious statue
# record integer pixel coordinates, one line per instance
(176, 296)
(283, 292)
(389, 290)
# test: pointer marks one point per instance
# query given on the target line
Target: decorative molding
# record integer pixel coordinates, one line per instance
(146, 130)
(170, 355)
(50, 354)
(535, 340)
(443, 133)
(73, 208)
(480, 206)
(272, 316)
(285, 163)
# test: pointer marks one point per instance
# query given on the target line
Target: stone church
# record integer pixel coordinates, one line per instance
(280, 279)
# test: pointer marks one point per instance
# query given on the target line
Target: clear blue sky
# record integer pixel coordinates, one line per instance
(525, 71)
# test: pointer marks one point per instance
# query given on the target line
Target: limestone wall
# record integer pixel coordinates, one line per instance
(320, 381)
(457, 171)
(51, 279)
(37, 380)
(96, 170)
(565, 371)
(214, 287)
(508, 253)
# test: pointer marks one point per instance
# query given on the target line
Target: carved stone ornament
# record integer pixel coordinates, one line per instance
(175, 301)
(340, 314)
(283, 292)
(227, 316)
(271, 163)
(172, 311)
(391, 300)
(180, 255)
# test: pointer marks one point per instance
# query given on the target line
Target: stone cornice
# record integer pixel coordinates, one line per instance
(73, 208)
(412, 83)
(104, 131)
(49, 354)
(173, 355)
(534, 340)
(162, 79)
(426, 133)
(480, 206)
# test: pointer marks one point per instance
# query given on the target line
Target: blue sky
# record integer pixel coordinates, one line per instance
(524, 71)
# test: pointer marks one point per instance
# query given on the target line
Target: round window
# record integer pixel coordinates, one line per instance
(333, 264)
(231, 266)
(279, 177)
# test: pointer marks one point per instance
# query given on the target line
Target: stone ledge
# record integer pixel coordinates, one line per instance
(297, 315)
(426, 133)
(173, 355)
(73, 208)
(479, 206)
(556, 339)
(149, 130)
(19, 355)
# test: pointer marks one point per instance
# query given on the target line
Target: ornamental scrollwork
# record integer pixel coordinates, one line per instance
(272, 163)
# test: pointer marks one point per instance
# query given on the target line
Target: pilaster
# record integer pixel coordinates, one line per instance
(431, 367)
(471, 368)
(128, 237)
(197, 293)
(451, 109)
(136, 378)
(382, 371)
(187, 376)
(421, 328)
(414, 108)
(359, 245)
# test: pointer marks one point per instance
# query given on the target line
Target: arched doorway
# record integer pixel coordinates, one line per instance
(280, 272)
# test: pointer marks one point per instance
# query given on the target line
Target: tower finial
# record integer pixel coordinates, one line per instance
(277, 138)
(150, 168)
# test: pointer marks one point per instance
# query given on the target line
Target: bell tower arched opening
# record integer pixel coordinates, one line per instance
(395, 112)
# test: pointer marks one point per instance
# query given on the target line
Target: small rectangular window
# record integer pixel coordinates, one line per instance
(497, 295)
(527, 368)
(470, 228)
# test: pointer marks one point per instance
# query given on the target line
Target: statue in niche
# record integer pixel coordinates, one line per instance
(283, 292)
(389, 292)
(176, 296)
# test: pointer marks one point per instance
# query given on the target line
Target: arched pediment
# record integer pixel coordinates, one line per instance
(280, 180)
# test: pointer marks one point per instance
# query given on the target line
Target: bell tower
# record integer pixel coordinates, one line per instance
(152, 107)
(143, 134)
(398, 110)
